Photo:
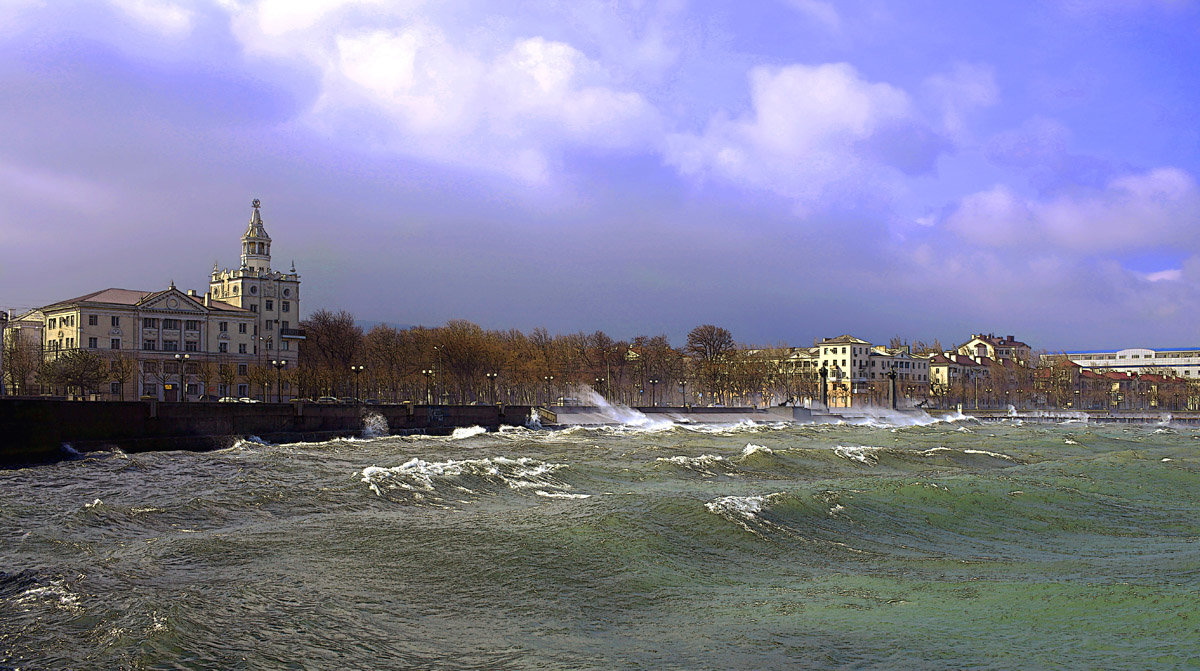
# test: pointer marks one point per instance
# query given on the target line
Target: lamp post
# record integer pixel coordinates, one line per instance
(599, 385)
(279, 365)
(428, 373)
(357, 371)
(182, 359)
(653, 390)
(548, 379)
(492, 380)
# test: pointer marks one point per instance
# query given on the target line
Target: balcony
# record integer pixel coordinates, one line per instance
(295, 334)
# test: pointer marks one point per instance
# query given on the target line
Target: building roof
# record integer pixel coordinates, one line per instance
(845, 339)
(133, 297)
(997, 341)
(110, 295)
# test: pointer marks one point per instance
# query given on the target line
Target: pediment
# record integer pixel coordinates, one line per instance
(171, 301)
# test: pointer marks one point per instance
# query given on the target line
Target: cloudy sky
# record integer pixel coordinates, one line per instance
(783, 168)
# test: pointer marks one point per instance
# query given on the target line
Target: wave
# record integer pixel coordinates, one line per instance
(436, 482)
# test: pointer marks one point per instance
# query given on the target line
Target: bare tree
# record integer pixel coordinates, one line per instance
(121, 369)
(710, 346)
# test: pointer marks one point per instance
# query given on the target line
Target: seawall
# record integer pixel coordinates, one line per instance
(34, 430)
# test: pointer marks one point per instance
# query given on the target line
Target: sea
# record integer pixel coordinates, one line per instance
(953, 544)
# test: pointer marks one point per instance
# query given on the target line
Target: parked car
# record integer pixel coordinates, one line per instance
(327, 399)
(346, 399)
(246, 399)
(227, 399)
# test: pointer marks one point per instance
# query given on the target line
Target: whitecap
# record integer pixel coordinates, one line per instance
(751, 448)
(997, 455)
(862, 453)
(466, 432)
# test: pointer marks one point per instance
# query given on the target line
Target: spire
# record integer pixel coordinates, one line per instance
(256, 244)
(256, 229)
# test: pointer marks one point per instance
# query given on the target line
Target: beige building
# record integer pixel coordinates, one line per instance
(857, 371)
(993, 347)
(172, 344)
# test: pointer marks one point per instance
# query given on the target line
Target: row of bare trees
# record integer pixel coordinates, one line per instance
(464, 363)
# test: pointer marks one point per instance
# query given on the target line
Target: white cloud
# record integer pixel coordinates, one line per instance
(163, 17)
(469, 98)
(957, 93)
(1149, 210)
(814, 131)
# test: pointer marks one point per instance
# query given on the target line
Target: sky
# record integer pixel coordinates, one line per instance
(786, 169)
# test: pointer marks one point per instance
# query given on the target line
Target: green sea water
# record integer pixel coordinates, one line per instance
(951, 545)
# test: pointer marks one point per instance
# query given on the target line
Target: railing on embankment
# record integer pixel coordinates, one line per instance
(1184, 417)
(35, 429)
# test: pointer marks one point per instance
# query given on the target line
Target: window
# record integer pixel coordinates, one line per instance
(223, 347)
(51, 323)
(254, 308)
(150, 322)
(222, 389)
(192, 389)
(192, 325)
(93, 320)
(170, 345)
(270, 305)
(243, 390)
(150, 366)
(191, 346)
(191, 368)
(285, 346)
(241, 328)
(114, 387)
(172, 324)
(270, 325)
(241, 348)
(284, 326)
(150, 390)
(148, 345)
(116, 321)
(93, 343)
(270, 344)
(241, 369)
(285, 306)
(223, 327)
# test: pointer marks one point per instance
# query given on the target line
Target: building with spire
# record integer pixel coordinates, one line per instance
(273, 297)
(178, 345)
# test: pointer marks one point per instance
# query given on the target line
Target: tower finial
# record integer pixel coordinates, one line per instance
(255, 203)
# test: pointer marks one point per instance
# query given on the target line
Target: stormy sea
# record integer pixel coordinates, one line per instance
(940, 545)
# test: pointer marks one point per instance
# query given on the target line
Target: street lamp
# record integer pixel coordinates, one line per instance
(279, 365)
(492, 379)
(182, 359)
(428, 373)
(653, 389)
(683, 391)
(548, 379)
(357, 371)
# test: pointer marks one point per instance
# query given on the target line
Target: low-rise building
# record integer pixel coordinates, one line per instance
(994, 347)
(234, 340)
(857, 372)
(1182, 362)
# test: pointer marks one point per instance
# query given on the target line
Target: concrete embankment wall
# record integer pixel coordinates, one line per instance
(35, 430)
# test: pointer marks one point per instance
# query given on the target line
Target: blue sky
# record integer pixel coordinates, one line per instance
(787, 169)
